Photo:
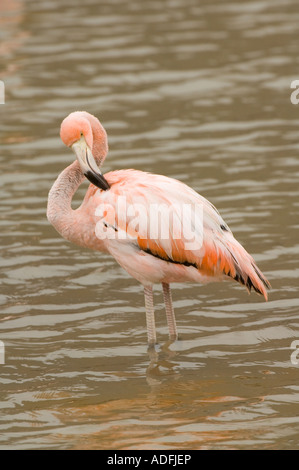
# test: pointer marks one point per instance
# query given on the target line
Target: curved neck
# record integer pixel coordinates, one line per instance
(59, 211)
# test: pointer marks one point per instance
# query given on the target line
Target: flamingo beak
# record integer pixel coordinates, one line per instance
(88, 164)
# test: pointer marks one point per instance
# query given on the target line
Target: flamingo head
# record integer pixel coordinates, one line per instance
(88, 139)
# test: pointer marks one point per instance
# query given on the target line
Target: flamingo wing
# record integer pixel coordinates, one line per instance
(168, 220)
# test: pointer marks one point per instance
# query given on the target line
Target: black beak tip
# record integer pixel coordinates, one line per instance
(98, 180)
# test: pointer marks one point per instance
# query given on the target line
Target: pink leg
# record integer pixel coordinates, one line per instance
(150, 315)
(169, 311)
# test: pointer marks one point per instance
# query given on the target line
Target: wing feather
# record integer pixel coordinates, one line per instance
(167, 213)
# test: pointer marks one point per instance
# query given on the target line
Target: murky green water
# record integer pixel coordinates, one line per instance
(199, 91)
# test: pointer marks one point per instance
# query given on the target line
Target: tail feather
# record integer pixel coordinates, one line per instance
(254, 280)
(246, 271)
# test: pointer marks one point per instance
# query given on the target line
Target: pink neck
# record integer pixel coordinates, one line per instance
(59, 212)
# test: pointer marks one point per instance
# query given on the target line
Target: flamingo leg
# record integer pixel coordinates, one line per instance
(169, 311)
(150, 314)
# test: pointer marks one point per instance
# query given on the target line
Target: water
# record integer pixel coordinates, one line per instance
(199, 91)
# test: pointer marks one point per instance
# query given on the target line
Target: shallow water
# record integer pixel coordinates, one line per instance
(199, 91)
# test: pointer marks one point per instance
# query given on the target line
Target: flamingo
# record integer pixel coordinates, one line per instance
(104, 224)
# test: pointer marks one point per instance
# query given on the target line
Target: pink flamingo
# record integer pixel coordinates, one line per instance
(102, 223)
